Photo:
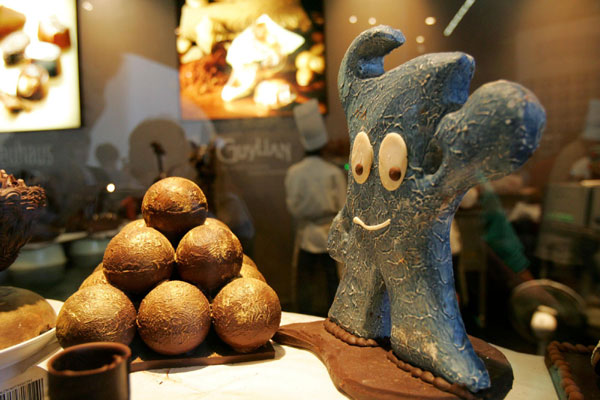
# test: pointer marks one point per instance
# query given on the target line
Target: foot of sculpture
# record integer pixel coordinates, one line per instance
(428, 377)
(346, 336)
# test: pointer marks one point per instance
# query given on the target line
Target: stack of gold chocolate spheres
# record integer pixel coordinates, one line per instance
(183, 271)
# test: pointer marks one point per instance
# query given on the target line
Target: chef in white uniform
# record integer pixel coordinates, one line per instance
(315, 192)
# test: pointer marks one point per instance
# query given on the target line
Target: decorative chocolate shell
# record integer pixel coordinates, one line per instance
(174, 318)
(99, 313)
(173, 206)
(137, 259)
(246, 314)
(209, 256)
(95, 278)
(215, 221)
(138, 223)
(250, 270)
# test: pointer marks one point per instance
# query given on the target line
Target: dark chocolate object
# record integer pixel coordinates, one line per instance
(210, 352)
(374, 373)
(174, 205)
(246, 314)
(138, 223)
(174, 318)
(248, 271)
(214, 221)
(136, 259)
(97, 277)
(571, 371)
(209, 256)
(247, 260)
(95, 371)
(100, 313)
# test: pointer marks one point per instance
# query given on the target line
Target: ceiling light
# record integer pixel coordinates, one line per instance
(430, 21)
(372, 21)
(87, 6)
(353, 19)
(420, 39)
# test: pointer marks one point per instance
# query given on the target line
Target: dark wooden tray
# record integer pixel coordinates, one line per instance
(211, 352)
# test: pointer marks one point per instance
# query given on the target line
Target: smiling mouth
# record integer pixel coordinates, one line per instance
(382, 225)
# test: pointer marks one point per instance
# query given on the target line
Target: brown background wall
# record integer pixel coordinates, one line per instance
(129, 75)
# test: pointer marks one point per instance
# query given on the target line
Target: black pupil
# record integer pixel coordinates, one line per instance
(395, 173)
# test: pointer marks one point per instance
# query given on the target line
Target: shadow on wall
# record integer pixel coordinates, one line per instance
(158, 148)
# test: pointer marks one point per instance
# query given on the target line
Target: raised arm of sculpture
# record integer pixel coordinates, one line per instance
(419, 142)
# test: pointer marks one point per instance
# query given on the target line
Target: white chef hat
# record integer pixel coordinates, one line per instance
(592, 121)
(310, 124)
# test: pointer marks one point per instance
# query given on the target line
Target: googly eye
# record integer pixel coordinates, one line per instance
(361, 159)
(393, 160)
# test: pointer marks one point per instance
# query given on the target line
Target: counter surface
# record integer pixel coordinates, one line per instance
(294, 374)
(298, 374)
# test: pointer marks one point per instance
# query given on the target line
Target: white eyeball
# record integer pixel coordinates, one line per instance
(393, 160)
(361, 159)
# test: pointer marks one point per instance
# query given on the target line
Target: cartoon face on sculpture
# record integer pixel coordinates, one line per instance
(393, 130)
(418, 142)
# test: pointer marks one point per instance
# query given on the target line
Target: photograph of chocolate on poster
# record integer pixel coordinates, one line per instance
(39, 71)
(249, 58)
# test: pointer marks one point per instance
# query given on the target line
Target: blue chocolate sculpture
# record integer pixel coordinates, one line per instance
(419, 142)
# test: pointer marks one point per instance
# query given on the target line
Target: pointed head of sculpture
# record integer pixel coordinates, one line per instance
(393, 119)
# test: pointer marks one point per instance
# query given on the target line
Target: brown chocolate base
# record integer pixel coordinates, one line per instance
(571, 371)
(211, 352)
(367, 372)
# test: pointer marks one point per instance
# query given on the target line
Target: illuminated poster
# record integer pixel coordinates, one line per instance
(39, 71)
(249, 58)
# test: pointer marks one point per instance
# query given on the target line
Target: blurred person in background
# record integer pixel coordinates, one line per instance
(315, 192)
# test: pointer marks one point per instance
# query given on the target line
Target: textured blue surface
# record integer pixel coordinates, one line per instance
(398, 280)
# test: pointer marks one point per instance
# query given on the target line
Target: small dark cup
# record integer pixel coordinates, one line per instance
(98, 370)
